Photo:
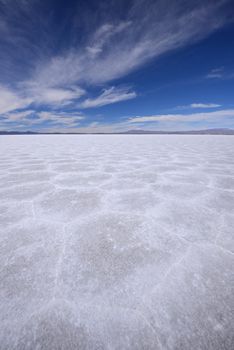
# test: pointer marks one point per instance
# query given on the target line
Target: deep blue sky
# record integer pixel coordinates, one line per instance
(112, 65)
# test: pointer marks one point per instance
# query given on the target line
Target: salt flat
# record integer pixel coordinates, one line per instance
(117, 242)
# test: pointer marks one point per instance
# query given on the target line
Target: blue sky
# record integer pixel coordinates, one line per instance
(109, 66)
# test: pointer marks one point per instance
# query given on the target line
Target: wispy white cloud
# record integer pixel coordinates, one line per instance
(10, 100)
(220, 73)
(199, 105)
(204, 105)
(29, 118)
(18, 116)
(109, 96)
(55, 96)
(66, 119)
(103, 36)
(192, 117)
(216, 73)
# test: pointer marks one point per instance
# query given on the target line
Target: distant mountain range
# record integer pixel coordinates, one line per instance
(188, 132)
(132, 132)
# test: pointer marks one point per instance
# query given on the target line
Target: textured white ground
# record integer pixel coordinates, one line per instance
(117, 242)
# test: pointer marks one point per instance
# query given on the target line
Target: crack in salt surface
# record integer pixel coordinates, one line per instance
(59, 264)
(33, 209)
(173, 266)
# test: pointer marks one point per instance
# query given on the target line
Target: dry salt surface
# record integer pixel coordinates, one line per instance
(117, 242)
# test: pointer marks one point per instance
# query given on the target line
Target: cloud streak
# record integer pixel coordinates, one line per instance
(204, 105)
(192, 117)
(11, 100)
(54, 97)
(32, 118)
(109, 96)
(216, 73)
(200, 105)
